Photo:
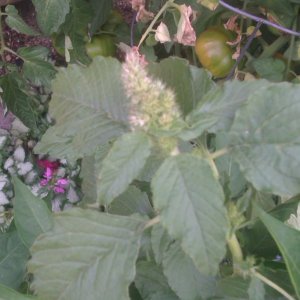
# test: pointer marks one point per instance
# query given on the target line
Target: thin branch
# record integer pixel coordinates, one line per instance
(258, 19)
(244, 50)
(152, 222)
(272, 284)
(219, 153)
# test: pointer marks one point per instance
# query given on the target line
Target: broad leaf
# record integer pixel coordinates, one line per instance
(32, 216)
(266, 141)
(15, 22)
(183, 276)
(101, 9)
(51, 14)
(217, 108)
(288, 241)
(185, 190)
(233, 288)
(35, 67)
(13, 258)
(18, 101)
(123, 163)
(89, 107)
(151, 283)
(130, 202)
(87, 253)
(269, 68)
(188, 83)
(9, 294)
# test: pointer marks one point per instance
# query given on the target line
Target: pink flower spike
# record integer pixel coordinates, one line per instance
(48, 173)
(62, 182)
(59, 190)
(45, 163)
(44, 182)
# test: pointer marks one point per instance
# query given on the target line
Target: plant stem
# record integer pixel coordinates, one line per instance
(149, 29)
(272, 284)
(244, 50)
(219, 153)
(235, 249)
(274, 47)
(13, 52)
(152, 222)
(258, 19)
(2, 48)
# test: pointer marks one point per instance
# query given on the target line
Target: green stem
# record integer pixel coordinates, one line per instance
(2, 48)
(149, 29)
(242, 18)
(152, 222)
(272, 284)
(235, 249)
(274, 47)
(219, 153)
(292, 45)
(13, 52)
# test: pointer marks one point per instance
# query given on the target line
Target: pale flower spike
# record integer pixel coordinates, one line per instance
(294, 220)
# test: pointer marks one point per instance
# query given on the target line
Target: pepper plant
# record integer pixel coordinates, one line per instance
(191, 185)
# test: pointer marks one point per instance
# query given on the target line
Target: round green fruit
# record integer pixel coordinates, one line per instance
(213, 52)
(101, 45)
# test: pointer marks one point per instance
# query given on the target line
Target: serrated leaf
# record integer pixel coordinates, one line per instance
(18, 101)
(10, 294)
(51, 14)
(101, 9)
(217, 108)
(185, 190)
(130, 202)
(13, 259)
(123, 163)
(32, 216)
(266, 141)
(151, 283)
(35, 68)
(183, 276)
(288, 242)
(89, 107)
(188, 83)
(15, 22)
(87, 253)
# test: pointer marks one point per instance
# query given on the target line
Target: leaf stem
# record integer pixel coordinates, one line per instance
(258, 19)
(272, 284)
(235, 249)
(149, 29)
(152, 222)
(275, 46)
(2, 48)
(219, 153)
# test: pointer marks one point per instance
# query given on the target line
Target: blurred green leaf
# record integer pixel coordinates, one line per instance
(270, 68)
(86, 253)
(9, 294)
(13, 259)
(15, 22)
(32, 216)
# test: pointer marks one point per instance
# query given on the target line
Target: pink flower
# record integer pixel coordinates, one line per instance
(44, 182)
(62, 182)
(45, 163)
(58, 190)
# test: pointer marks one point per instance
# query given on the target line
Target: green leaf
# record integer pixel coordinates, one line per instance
(86, 255)
(9, 294)
(185, 190)
(123, 163)
(130, 202)
(15, 22)
(265, 139)
(18, 101)
(89, 107)
(288, 242)
(183, 276)
(13, 259)
(233, 288)
(151, 283)
(188, 83)
(35, 68)
(75, 26)
(51, 14)
(217, 108)
(270, 68)
(256, 290)
(101, 9)
(90, 169)
(32, 216)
